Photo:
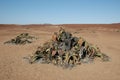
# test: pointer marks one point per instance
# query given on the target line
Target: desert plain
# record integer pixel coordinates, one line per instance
(13, 66)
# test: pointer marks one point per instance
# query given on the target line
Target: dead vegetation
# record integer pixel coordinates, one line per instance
(67, 51)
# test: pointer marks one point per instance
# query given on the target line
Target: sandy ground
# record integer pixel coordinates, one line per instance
(14, 67)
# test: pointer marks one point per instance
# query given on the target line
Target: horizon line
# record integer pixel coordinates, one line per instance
(56, 24)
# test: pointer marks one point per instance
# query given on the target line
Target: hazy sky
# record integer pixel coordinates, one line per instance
(59, 11)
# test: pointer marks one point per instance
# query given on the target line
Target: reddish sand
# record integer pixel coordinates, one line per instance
(14, 67)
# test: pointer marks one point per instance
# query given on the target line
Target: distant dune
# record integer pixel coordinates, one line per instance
(114, 25)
